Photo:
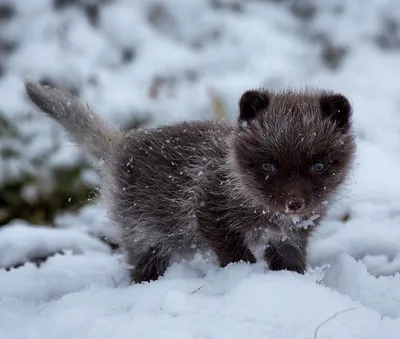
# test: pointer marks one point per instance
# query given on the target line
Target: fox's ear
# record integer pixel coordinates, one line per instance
(251, 103)
(338, 108)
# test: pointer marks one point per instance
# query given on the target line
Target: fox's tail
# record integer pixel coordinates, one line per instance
(85, 127)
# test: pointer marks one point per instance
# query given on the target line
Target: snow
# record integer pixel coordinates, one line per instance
(20, 242)
(305, 223)
(192, 49)
(196, 301)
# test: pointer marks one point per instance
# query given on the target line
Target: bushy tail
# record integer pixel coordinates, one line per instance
(84, 126)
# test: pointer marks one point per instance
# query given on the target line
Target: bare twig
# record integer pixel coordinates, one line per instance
(197, 289)
(329, 319)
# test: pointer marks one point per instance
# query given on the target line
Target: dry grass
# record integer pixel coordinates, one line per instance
(219, 110)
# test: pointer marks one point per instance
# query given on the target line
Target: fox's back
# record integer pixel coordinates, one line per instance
(155, 171)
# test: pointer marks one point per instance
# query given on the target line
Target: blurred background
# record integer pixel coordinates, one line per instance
(148, 62)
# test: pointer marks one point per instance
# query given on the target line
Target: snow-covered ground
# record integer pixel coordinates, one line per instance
(163, 58)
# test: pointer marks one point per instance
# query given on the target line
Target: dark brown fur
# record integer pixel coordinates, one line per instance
(199, 185)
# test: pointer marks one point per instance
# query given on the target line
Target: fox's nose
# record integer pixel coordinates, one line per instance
(295, 205)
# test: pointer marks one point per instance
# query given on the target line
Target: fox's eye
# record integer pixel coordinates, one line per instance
(318, 167)
(268, 167)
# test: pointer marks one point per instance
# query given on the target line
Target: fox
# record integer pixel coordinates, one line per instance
(263, 179)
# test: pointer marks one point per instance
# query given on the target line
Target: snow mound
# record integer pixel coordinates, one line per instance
(18, 243)
(87, 294)
(89, 297)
